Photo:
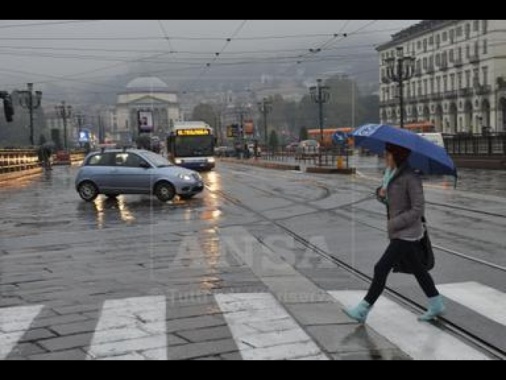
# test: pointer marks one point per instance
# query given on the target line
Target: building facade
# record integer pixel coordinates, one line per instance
(459, 81)
(148, 94)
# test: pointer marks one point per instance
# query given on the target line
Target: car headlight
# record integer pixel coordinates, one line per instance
(185, 177)
(210, 159)
(178, 161)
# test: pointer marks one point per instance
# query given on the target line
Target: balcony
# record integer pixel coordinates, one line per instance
(390, 102)
(430, 69)
(482, 89)
(451, 94)
(474, 59)
(444, 66)
(465, 92)
(437, 96)
(458, 62)
(418, 72)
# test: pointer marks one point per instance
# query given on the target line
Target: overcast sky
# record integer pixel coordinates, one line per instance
(85, 52)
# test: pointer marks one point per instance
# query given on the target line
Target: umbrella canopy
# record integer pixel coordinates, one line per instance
(425, 156)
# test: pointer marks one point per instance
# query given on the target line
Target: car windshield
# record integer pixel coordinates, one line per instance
(156, 159)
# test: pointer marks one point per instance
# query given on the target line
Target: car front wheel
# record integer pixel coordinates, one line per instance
(164, 191)
(87, 191)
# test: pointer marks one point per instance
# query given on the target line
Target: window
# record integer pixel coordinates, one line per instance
(475, 25)
(485, 75)
(437, 40)
(468, 31)
(459, 80)
(100, 159)
(445, 83)
(452, 35)
(484, 46)
(425, 87)
(468, 78)
(387, 91)
(431, 40)
(431, 61)
(418, 65)
(438, 84)
(452, 82)
(419, 88)
(468, 50)
(460, 54)
(419, 45)
(476, 78)
(438, 59)
(451, 55)
(444, 59)
(476, 47)
(484, 25)
(445, 36)
(425, 45)
(432, 85)
(425, 63)
(459, 31)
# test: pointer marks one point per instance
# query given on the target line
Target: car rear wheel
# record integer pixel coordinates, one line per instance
(164, 191)
(87, 191)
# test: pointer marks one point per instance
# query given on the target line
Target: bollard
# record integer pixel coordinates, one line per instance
(340, 162)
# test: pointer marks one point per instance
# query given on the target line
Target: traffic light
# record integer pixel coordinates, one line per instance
(8, 108)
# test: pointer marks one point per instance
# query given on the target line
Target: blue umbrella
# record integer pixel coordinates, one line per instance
(425, 156)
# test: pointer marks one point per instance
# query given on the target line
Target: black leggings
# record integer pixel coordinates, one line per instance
(411, 253)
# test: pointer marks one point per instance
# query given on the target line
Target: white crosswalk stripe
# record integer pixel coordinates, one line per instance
(482, 299)
(129, 325)
(263, 330)
(135, 328)
(419, 340)
(14, 322)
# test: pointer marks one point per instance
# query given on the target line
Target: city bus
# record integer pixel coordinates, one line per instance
(420, 127)
(191, 144)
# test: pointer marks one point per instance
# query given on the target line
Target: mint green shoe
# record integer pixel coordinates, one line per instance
(359, 312)
(436, 307)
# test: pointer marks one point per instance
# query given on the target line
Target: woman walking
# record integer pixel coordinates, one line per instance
(402, 192)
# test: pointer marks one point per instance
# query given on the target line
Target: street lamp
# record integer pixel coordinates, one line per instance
(31, 102)
(64, 112)
(400, 72)
(265, 107)
(320, 94)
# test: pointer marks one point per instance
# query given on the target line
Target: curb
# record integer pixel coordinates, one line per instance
(315, 169)
(267, 165)
(19, 174)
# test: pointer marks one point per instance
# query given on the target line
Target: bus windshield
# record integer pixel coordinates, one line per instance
(194, 146)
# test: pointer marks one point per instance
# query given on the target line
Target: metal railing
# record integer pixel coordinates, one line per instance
(476, 145)
(13, 160)
(312, 156)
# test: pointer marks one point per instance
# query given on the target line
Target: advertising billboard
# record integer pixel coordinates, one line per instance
(145, 121)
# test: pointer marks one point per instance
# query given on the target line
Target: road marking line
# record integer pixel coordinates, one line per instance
(130, 325)
(14, 322)
(483, 299)
(285, 339)
(419, 340)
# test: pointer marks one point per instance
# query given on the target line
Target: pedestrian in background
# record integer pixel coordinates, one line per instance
(402, 192)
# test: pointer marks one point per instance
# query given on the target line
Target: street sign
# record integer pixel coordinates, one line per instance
(233, 130)
(339, 138)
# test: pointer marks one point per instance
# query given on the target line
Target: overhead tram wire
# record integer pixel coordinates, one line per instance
(45, 23)
(216, 55)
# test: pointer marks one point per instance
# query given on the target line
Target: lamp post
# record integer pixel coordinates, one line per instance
(320, 94)
(399, 70)
(28, 100)
(64, 112)
(265, 107)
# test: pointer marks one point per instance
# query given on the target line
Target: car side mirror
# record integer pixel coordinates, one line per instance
(144, 164)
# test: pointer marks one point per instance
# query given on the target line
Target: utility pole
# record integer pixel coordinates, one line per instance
(265, 106)
(30, 101)
(80, 120)
(64, 112)
(320, 94)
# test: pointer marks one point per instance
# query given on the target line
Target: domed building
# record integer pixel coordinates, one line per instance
(145, 100)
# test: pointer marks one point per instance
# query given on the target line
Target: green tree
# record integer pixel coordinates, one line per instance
(303, 134)
(273, 140)
(206, 113)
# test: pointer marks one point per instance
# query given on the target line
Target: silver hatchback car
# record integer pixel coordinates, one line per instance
(134, 171)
